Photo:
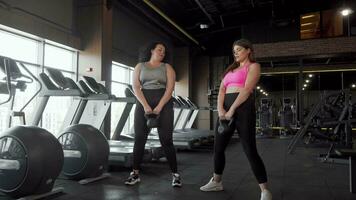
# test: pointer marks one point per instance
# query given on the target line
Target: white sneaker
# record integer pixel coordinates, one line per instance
(266, 195)
(176, 181)
(132, 179)
(212, 186)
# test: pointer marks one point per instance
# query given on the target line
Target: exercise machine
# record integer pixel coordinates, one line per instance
(287, 118)
(92, 108)
(265, 114)
(85, 148)
(333, 113)
(31, 158)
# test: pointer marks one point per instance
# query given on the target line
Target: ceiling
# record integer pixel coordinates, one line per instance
(227, 17)
(222, 15)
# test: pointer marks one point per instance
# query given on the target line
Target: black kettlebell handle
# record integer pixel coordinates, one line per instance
(230, 121)
(152, 120)
(151, 115)
(224, 125)
(226, 120)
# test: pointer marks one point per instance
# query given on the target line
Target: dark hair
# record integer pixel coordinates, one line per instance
(245, 44)
(145, 52)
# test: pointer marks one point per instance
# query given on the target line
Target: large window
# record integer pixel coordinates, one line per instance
(310, 25)
(18, 47)
(121, 79)
(327, 23)
(34, 52)
(59, 57)
(55, 112)
(63, 58)
(332, 23)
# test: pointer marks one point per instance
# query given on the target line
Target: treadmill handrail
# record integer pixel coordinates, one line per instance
(124, 99)
(92, 84)
(50, 89)
(182, 103)
(37, 92)
(8, 81)
(14, 71)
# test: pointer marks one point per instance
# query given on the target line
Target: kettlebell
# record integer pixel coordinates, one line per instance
(224, 125)
(152, 120)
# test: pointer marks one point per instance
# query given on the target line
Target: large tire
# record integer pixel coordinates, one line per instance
(86, 151)
(31, 159)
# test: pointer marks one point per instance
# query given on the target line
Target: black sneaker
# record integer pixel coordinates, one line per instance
(132, 179)
(176, 182)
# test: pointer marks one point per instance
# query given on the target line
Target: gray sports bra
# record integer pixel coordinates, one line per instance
(153, 78)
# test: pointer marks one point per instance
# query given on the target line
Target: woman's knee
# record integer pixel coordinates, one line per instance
(166, 142)
(219, 153)
(250, 151)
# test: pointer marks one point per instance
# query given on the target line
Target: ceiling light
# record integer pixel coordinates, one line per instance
(307, 81)
(353, 85)
(346, 11)
(307, 16)
(306, 24)
(303, 88)
(310, 75)
(203, 26)
(261, 90)
(307, 30)
(305, 85)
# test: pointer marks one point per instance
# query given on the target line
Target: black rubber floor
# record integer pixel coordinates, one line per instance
(291, 177)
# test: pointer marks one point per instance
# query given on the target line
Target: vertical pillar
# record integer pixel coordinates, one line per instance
(300, 97)
(95, 29)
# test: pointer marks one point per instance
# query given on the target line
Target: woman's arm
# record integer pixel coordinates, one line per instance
(171, 79)
(252, 79)
(137, 89)
(221, 97)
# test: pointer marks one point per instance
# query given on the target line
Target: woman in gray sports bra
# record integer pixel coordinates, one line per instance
(153, 84)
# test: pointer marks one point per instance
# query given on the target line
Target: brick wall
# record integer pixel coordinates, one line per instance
(306, 47)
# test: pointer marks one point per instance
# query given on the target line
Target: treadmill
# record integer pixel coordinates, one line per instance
(189, 112)
(155, 145)
(180, 141)
(60, 86)
(90, 85)
(55, 84)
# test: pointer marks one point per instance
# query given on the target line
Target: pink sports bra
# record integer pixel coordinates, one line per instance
(237, 78)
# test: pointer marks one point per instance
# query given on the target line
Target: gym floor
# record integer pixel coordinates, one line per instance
(291, 177)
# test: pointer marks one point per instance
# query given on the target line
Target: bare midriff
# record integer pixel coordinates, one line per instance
(233, 89)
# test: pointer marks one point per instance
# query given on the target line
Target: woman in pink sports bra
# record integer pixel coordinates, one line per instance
(236, 103)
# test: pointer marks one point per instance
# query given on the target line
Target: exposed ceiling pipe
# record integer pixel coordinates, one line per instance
(222, 21)
(170, 21)
(253, 4)
(158, 22)
(205, 12)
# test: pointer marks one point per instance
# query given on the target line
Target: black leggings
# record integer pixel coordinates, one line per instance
(165, 130)
(244, 123)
